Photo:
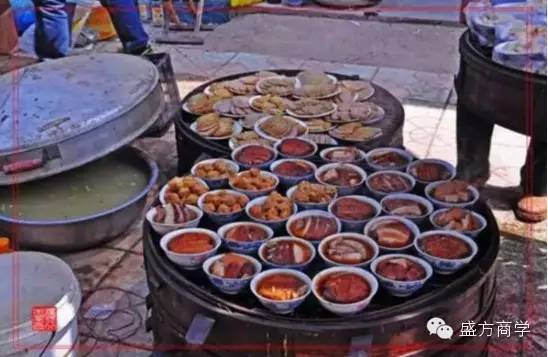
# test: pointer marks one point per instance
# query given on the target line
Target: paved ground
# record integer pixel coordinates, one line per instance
(429, 132)
(428, 48)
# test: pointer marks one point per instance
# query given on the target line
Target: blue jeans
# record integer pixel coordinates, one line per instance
(52, 35)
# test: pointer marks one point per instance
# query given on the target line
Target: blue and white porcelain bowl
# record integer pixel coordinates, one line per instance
(375, 222)
(359, 237)
(277, 306)
(226, 285)
(263, 165)
(189, 261)
(163, 228)
(345, 309)
(310, 142)
(474, 233)
(220, 218)
(270, 264)
(428, 192)
(244, 247)
(381, 151)
(164, 189)
(380, 194)
(397, 287)
(257, 193)
(293, 180)
(310, 205)
(429, 208)
(450, 169)
(313, 213)
(274, 224)
(220, 182)
(447, 266)
(349, 225)
(324, 154)
(342, 190)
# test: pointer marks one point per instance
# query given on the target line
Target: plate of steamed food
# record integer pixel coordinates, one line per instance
(285, 219)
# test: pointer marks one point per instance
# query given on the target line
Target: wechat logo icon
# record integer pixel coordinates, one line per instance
(437, 326)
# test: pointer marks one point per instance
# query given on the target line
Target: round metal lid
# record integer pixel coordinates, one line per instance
(60, 114)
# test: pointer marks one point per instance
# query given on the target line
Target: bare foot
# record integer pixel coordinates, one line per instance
(531, 209)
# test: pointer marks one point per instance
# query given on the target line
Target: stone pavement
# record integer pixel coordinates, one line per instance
(113, 273)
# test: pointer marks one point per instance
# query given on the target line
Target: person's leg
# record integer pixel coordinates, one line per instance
(473, 147)
(127, 22)
(52, 32)
(532, 206)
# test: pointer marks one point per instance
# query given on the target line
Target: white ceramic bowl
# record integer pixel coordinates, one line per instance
(446, 266)
(215, 183)
(272, 224)
(408, 196)
(380, 194)
(277, 306)
(451, 169)
(410, 224)
(325, 152)
(227, 285)
(220, 218)
(345, 309)
(164, 188)
(293, 180)
(256, 193)
(310, 142)
(163, 228)
(356, 236)
(263, 165)
(397, 287)
(442, 204)
(375, 167)
(309, 205)
(351, 225)
(301, 266)
(244, 247)
(309, 213)
(189, 261)
(342, 190)
(473, 234)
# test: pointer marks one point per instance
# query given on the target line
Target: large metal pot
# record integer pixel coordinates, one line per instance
(88, 231)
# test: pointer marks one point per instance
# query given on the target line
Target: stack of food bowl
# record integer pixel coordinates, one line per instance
(338, 229)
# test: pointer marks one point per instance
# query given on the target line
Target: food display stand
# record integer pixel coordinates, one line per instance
(189, 316)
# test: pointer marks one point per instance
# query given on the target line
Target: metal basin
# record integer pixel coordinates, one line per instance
(87, 231)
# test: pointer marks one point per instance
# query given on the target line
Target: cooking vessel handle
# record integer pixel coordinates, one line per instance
(22, 165)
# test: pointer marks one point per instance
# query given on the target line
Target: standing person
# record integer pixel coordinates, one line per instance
(52, 34)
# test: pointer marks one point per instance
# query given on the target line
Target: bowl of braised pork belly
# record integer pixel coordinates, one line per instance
(447, 251)
(281, 290)
(388, 159)
(254, 156)
(426, 171)
(343, 154)
(459, 219)
(231, 272)
(392, 233)
(413, 207)
(384, 183)
(354, 211)
(296, 148)
(401, 274)
(292, 171)
(348, 249)
(344, 291)
(244, 237)
(346, 178)
(313, 225)
(453, 193)
(172, 216)
(287, 252)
